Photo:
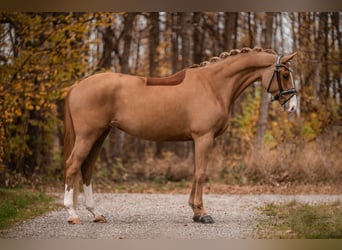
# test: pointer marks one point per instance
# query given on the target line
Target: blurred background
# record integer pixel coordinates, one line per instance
(42, 54)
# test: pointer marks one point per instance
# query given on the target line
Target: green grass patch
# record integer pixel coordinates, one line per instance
(17, 205)
(301, 221)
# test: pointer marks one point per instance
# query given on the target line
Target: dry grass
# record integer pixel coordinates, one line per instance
(316, 162)
(168, 168)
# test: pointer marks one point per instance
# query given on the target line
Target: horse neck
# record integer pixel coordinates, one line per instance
(233, 76)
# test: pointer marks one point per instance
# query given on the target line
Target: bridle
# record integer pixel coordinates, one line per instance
(292, 91)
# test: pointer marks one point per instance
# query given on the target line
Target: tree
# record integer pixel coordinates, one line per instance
(153, 43)
(231, 30)
(42, 53)
(264, 102)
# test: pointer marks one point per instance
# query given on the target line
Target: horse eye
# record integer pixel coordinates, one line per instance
(286, 76)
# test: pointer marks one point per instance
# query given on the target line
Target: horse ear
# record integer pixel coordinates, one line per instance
(286, 59)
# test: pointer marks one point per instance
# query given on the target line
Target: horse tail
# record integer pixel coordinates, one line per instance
(69, 142)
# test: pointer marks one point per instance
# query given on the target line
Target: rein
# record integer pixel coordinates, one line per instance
(282, 92)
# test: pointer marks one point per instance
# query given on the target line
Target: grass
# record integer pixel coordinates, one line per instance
(17, 205)
(301, 221)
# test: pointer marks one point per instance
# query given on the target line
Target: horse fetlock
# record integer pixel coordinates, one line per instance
(199, 207)
(73, 217)
(191, 204)
(98, 218)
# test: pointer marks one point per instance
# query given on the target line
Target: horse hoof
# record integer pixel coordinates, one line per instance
(74, 220)
(100, 219)
(196, 218)
(206, 219)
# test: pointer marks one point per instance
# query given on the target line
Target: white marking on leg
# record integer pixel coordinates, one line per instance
(68, 203)
(88, 193)
(90, 204)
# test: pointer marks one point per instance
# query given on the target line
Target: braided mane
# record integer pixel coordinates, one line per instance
(232, 52)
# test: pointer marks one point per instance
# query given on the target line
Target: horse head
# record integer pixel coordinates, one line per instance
(279, 82)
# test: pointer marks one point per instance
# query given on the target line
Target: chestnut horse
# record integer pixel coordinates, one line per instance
(193, 104)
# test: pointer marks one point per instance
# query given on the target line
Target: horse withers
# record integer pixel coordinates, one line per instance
(193, 104)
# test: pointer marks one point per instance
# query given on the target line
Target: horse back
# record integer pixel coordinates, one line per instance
(174, 79)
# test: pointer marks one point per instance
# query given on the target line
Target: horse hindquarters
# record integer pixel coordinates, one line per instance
(80, 153)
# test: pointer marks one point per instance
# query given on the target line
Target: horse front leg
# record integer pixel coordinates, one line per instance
(202, 146)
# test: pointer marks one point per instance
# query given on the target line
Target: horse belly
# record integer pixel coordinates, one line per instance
(157, 121)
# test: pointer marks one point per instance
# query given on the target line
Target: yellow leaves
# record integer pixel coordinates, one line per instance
(7, 116)
(51, 106)
(29, 106)
(17, 112)
(48, 53)
(246, 122)
(64, 92)
(10, 114)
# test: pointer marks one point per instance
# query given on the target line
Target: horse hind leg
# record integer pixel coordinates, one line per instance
(87, 170)
(80, 151)
(70, 206)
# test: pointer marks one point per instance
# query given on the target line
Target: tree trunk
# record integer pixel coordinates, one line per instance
(336, 19)
(231, 30)
(264, 102)
(197, 38)
(186, 31)
(175, 24)
(153, 43)
(251, 29)
(106, 58)
(125, 68)
(153, 61)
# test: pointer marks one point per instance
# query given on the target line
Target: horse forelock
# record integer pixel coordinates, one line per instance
(224, 55)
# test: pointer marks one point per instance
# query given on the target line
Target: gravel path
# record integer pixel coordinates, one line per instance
(162, 216)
